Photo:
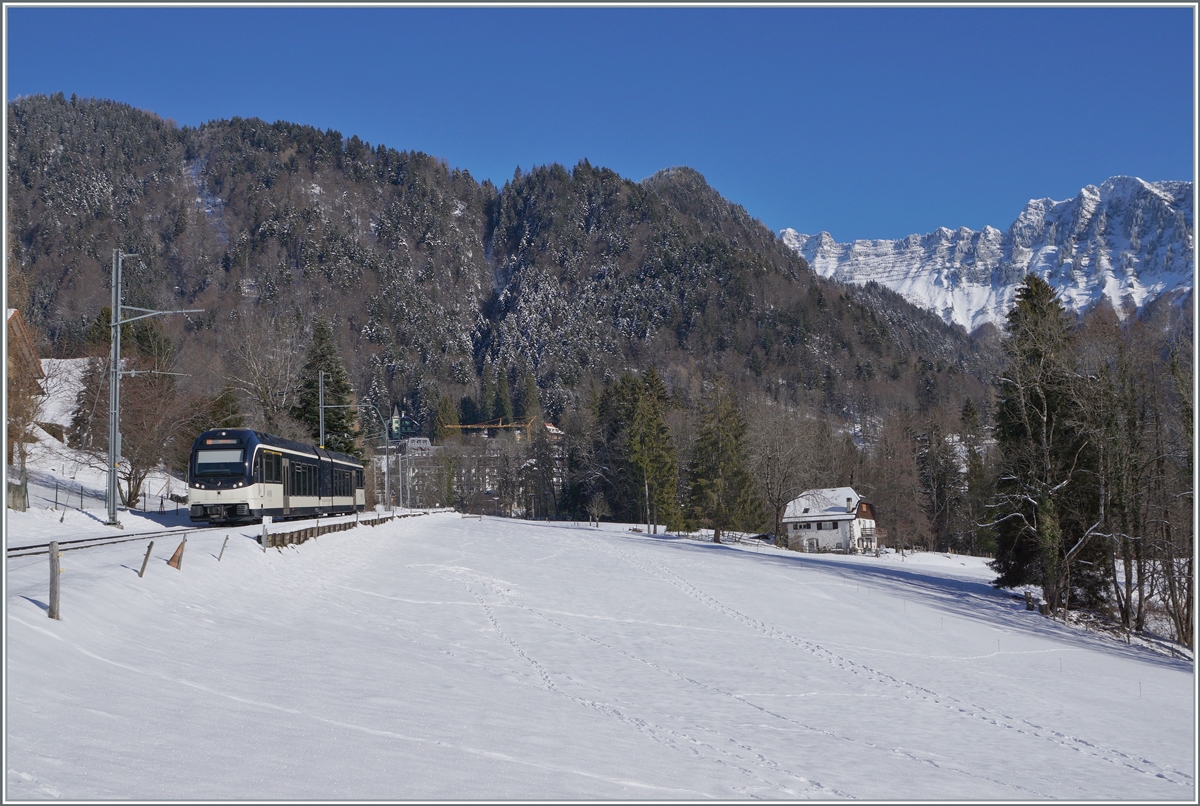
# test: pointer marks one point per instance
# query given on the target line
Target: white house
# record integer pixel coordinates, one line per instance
(831, 519)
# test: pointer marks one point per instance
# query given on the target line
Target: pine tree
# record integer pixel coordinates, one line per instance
(653, 455)
(224, 411)
(1039, 450)
(531, 407)
(487, 393)
(379, 395)
(323, 357)
(620, 480)
(443, 420)
(979, 482)
(721, 490)
(502, 408)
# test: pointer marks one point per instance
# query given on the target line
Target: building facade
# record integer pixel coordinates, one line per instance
(831, 519)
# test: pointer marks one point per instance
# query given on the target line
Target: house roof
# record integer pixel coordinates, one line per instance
(827, 504)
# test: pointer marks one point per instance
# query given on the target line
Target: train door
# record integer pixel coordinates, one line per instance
(287, 486)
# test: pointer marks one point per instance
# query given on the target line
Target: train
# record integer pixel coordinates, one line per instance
(238, 475)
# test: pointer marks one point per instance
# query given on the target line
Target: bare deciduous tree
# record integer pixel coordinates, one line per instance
(265, 358)
(786, 456)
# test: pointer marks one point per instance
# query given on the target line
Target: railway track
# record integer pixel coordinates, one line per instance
(109, 540)
(104, 540)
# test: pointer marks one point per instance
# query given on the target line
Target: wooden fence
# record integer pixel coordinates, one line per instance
(294, 536)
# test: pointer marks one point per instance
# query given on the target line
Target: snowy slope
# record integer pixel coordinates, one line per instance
(1127, 241)
(442, 657)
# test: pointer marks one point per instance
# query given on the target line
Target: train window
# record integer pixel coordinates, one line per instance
(224, 462)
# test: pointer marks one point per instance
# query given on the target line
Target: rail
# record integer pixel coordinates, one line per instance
(301, 531)
(102, 540)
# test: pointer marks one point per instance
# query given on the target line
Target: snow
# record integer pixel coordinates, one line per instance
(443, 657)
(64, 379)
(1127, 241)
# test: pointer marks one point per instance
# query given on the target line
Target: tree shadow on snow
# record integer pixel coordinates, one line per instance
(962, 598)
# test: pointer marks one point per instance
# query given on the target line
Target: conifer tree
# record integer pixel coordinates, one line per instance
(502, 408)
(224, 411)
(487, 393)
(1039, 450)
(531, 407)
(979, 483)
(444, 418)
(653, 455)
(721, 490)
(340, 431)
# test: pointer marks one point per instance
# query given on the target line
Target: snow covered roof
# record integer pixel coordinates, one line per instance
(825, 504)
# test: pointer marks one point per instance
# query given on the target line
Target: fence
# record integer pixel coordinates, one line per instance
(296, 536)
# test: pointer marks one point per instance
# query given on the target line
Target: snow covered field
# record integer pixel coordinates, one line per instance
(450, 658)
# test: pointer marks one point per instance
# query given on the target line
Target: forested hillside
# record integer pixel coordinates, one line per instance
(429, 276)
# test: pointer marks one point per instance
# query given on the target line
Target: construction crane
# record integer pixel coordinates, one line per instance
(498, 423)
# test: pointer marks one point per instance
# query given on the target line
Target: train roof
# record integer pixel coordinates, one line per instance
(281, 442)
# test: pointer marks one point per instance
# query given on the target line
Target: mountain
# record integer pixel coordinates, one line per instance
(1127, 242)
(432, 279)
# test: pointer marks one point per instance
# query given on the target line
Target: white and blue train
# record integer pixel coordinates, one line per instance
(236, 475)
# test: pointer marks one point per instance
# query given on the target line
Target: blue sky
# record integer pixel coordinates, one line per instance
(864, 122)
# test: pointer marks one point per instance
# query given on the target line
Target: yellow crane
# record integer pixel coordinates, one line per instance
(497, 423)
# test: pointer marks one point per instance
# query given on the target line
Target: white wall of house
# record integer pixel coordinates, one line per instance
(829, 520)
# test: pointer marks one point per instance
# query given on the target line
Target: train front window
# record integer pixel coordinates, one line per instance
(227, 462)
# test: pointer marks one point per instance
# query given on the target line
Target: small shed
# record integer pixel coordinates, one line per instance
(830, 519)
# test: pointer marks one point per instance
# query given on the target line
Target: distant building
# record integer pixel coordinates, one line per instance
(831, 519)
(401, 426)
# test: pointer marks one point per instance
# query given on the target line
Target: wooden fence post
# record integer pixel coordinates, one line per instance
(177, 558)
(54, 572)
(146, 560)
(223, 545)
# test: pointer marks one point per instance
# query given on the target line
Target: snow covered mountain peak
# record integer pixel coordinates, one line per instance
(1126, 241)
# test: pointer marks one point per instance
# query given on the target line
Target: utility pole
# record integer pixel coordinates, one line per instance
(386, 462)
(114, 379)
(321, 405)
